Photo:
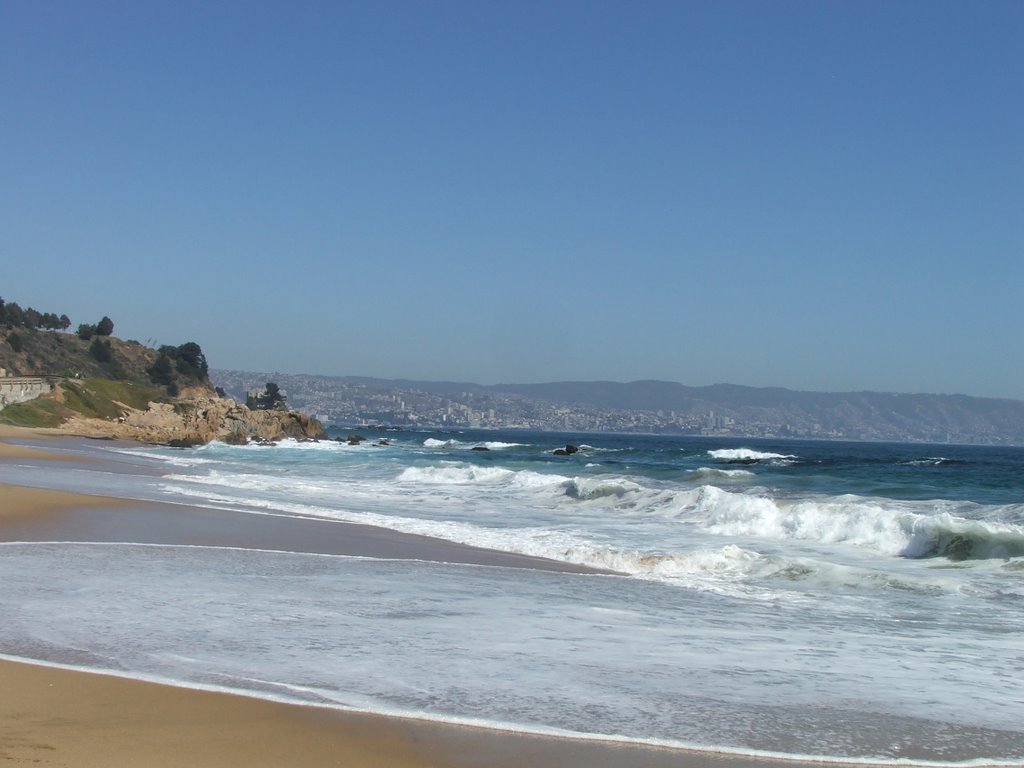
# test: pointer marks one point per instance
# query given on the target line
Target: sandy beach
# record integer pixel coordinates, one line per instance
(60, 717)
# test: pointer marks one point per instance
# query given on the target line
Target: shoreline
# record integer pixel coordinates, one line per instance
(70, 716)
(33, 513)
(88, 719)
(38, 514)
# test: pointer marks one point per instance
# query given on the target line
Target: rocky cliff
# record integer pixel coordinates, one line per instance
(195, 418)
(125, 390)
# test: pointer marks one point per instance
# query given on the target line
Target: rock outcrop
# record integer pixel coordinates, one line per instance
(199, 418)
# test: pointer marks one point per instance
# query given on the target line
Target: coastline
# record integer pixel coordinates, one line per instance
(53, 717)
(56, 716)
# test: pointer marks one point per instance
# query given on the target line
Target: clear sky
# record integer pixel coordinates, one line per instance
(816, 195)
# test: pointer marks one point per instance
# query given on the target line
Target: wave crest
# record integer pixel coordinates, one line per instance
(889, 529)
(468, 474)
(595, 488)
(749, 456)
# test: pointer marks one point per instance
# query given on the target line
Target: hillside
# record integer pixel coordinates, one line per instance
(25, 352)
(107, 387)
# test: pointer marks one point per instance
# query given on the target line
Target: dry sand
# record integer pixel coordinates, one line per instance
(58, 717)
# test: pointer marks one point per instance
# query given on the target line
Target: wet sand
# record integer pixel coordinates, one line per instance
(58, 717)
(77, 517)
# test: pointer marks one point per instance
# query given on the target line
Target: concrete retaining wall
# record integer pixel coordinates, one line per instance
(18, 389)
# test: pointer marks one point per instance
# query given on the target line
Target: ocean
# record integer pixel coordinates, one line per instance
(825, 600)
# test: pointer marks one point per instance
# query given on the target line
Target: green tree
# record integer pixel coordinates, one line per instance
(100, 349)
(86, 331)
(191, 361)
(162, 371)
(14, 316)
(270, 398)
(105, 327)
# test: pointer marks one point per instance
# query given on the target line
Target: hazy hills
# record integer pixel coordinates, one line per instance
(856, 414)
(672, 407)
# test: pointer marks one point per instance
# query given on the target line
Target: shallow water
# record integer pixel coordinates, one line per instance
(817, 599)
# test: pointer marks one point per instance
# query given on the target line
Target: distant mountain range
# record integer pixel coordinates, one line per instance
(862, 414)
(662, 406)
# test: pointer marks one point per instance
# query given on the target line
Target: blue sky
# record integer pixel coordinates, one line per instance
(815, 195)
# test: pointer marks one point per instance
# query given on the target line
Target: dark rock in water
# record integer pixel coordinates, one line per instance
(185, 442)
(479, 448)
(743, 461)
(560, 452)
(238, 437)
(569, 450)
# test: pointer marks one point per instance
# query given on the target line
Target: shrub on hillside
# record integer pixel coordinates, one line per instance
(187, 361)
(162, 371)
(100, 349)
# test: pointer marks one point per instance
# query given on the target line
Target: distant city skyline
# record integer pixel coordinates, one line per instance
(645, 407)
(816, 196)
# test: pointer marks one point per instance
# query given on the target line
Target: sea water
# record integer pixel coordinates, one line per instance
(832, 600)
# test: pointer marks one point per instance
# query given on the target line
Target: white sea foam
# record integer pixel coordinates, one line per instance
(890, 528)
(743, 603)
(180, 459)
(459, 474)
(747, 454)
(535, 651)
(285, 444)
(904, 529)
(599, 487)
(932, 461)
(491, 445)
(433, 442)
(728, 570)
(716, 473)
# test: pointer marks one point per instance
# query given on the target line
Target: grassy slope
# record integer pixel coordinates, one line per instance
(93, 398)
(93, 388)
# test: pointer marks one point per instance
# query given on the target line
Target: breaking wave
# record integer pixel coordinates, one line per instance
(491, 445)
(596, 488)
(900, 529)
(714, 473)
(886, 527)
(457, 474)
(933, 461)
(749, 456)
